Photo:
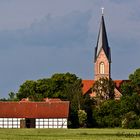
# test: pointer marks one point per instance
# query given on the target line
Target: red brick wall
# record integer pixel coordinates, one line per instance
(101, 58)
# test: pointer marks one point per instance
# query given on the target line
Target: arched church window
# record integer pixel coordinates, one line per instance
(102, 68)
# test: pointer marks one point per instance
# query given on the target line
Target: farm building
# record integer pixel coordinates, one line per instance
(51, 113)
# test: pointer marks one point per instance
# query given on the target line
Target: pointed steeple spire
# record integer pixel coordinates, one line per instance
(102, 42)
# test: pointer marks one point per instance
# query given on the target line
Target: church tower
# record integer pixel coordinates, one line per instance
(102, 58)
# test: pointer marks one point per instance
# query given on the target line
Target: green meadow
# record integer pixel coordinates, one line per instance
(69, 134)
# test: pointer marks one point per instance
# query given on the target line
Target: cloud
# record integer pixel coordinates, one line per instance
(120, 1)
(68, 30)
(53, 44)
(64, 40)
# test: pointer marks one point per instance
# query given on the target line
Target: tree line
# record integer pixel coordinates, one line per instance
(102, 111)
(123, 113)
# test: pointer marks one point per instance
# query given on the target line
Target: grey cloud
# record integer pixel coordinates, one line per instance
(28, 53)
(119, 1)
(50, 31)
(73, 37)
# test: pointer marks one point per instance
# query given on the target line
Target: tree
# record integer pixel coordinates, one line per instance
(88, 105)
(82, 115)
(135, 80)
(107, 114)
(130, 103)
(44, 87)
(104, 89)
(65, 86)
(130, 120)
(74, 95)
(126, 89)
(65, 83)
(53, 87)
(27, 89)
(132, 85)
(12, 96)
(3, 99)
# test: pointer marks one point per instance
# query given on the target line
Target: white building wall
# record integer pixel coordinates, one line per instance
(10, 122)
(51, 123)
(39, 123)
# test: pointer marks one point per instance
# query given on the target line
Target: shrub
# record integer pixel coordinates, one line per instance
(82, 115)
(108, 114)
(130, 120)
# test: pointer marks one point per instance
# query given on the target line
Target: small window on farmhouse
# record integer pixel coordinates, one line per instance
(102, 68)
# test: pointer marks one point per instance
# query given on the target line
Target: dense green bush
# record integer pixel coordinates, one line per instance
(123, 113)
(131, 120)
(107, 114)
(82, 116)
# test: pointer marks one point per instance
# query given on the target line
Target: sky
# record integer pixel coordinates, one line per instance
(41, 37)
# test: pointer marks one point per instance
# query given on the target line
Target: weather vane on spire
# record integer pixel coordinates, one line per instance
(102, 10)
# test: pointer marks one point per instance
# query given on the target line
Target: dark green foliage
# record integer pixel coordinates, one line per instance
(107, 114)
(27, 89)
(126, 89)
(64, 86)
(133, 85)
(130, 103)
(122, 113)
(130, 110)
(73, 93)
(102, 111)
(82, 116)
(135, 81)
(88, 105)
(3, 99)
(12, 97)
(131, 120)
(54, 87)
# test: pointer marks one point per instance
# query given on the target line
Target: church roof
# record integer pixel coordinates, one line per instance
(102, 42)
(87, 85)
(50, 108)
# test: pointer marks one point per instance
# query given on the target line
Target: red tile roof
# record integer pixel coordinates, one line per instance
(118, 83)
(27, 109)
(87, 84)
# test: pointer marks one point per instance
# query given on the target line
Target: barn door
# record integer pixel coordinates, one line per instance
(22, 123)
(30, 122)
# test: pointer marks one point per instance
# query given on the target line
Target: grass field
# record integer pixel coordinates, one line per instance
(69, 134)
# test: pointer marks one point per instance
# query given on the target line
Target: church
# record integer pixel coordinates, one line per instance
(53, 113)
(102, 63)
